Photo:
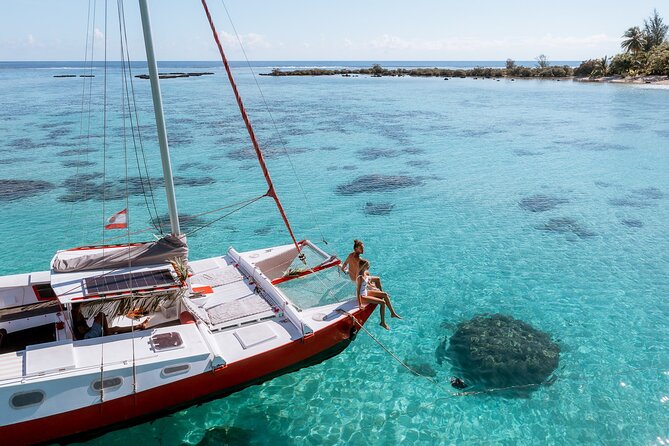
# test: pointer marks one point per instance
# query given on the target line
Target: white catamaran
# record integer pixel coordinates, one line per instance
(216, 325)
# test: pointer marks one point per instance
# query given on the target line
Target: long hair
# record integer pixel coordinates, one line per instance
(363, 265)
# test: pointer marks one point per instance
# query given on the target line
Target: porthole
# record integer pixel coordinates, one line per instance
(27, 399)
(107, 384)
(175, 370)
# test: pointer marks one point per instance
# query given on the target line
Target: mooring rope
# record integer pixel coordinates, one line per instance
(428, 378)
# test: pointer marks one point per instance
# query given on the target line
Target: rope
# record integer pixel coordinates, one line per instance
(104, 171)
(248, 203)
(83, 102)
(156, 222)
(427, 378)
(124, 84)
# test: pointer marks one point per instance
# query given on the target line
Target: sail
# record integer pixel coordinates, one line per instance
(161, 251)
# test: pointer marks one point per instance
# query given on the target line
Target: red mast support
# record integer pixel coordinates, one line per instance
(271, 191)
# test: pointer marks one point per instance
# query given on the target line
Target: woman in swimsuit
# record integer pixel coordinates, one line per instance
(367, 293)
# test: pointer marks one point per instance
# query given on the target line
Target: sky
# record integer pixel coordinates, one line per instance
(327, 30)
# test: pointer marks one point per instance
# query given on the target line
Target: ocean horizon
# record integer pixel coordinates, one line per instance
(285, 64)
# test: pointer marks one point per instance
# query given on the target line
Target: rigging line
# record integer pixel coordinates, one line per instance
(228, 206)
(226, 215)
(282, 142)
(124, 84)
(81, 112)
(149, 228)
(157, 225)
(90, 106)
(104, 171)
(104, 132)
(271, 191)
(132, 126)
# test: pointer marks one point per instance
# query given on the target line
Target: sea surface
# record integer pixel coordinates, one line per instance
(544, 200)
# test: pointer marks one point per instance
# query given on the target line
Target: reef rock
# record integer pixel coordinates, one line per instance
(498, 351)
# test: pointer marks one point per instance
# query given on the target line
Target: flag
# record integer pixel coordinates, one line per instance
(118, 221)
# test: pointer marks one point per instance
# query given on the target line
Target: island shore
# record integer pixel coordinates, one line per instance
(654, 79)
(555, 73)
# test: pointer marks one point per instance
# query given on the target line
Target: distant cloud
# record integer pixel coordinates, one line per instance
(248, 40)
(511, 45)
(592, 41)
(99, 35)
(30, 40)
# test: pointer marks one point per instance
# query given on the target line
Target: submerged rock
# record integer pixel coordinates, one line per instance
(377, 183)
(420, 368)
(650, 193)
(632, 223)
(378, 208)
(566, 225)
(223, 435)
(524, 152)
(497, 351)
(186, 221)
(85, 187)
(541, 203)
(629, 202)
(17, 189)
(374, 154)
(77, 163)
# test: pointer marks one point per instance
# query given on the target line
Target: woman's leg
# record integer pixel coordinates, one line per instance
(382, 307)
(386, 299)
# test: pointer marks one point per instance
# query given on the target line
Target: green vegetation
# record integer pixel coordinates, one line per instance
(646, 52)
(543, 69)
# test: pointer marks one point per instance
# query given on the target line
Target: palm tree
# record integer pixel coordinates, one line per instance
(655, 30)
(603, 65)
(635, 40)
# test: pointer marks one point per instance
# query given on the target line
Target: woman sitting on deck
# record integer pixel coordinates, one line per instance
(367, 293)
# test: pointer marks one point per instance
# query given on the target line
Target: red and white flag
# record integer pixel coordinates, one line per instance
(118, 221)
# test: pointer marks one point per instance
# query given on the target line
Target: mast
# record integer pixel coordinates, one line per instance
(160, 119)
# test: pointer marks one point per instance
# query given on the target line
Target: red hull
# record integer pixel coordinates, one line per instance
(152, 403)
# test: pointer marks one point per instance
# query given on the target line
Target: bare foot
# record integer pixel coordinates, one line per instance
(396, 316)
(142, 326)
(384, 325)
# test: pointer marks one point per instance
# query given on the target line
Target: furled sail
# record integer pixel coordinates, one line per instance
(164, 250)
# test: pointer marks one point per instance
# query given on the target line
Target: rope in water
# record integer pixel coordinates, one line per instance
(428, 378)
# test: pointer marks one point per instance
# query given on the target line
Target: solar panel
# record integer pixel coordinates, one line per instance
(119, 283)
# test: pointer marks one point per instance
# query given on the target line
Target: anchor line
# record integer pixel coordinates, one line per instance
(427, 378)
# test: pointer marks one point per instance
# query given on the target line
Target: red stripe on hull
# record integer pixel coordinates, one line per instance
(149, 404)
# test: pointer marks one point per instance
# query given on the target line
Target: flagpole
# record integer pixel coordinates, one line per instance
(160, 119)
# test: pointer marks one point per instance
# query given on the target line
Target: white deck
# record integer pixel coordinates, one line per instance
(241, 314)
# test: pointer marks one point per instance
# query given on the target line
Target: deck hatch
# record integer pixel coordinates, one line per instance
(118, 283)
(166, 341)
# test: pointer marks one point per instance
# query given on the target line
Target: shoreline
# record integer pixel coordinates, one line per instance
(638, 80)
(545, 73)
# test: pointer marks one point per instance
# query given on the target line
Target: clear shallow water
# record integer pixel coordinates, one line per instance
(592, 271)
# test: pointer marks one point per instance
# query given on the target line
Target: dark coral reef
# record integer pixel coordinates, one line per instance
(496, 351)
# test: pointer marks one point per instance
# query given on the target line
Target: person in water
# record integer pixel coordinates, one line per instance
(351, 264)
(100, 326)
(368, 293)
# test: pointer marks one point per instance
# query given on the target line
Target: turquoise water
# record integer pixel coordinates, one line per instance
(544, 200)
